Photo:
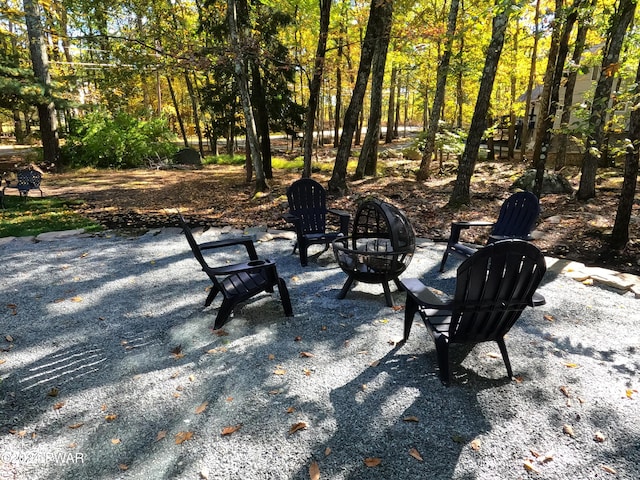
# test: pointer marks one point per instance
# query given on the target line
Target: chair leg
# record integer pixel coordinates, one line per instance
(505, 356)
(442, 350)
(410, 310)
(303, 254)
(387, 294)
(284, 298)
(212, 294)
(444, 259)
(345, 288)
(223, 314)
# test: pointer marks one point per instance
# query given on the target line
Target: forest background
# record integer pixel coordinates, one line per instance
(333, 72)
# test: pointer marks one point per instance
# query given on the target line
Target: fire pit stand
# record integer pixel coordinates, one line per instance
(380, 248)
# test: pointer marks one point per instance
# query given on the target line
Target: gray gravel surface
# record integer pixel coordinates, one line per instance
(108, 361)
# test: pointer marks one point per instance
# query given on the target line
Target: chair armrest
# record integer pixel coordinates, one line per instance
(458, 226)
(422, 295)
(229, 242)
(345, 218)
(290, 218)
(253, 265)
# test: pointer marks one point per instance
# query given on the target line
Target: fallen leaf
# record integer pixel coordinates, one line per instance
(630, 393)
(115, 441)
(53, 392)
(374, 364)
(297, 426)
(609, 469)
(565, 391)
(307, 372)
(123, 467)
(103, 407)
(314, 471)
(58, 300)
(290, 410)
(8, 338)
(415, 454)
(493, 355)
(161, 435)
(229, 399)
(76, 299)
(58, 406)
(363, 387)
(397, 308)
(372, 461)
(274, 392)
(220, 333)
(202, 407)
(549, 318)
(529, 466)
(279, 371)
(599, 437)
(76, 425)
(567, 430)
(192, 378)
(176, 352)
(547, 457)
(571, 365)
(475, 444)
(72, 445)
(111, 417)
(231, 429)
(2, 360)
(306, 355)
(272, 356)
(327, 451)
(182, 437)
(297, 339)
(411, 418)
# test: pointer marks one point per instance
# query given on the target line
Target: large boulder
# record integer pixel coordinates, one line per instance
(551, 182)
(187, 156)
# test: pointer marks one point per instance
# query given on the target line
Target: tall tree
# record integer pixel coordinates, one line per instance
(314, 87)
(550, 92)
(461, 189)
(620, 233)
(619, 22)
(526, 127)
(367, 162)
(40, 61)
(378, 11)
(392, 125)
(438, 99)
(242, 80)
(584, 24)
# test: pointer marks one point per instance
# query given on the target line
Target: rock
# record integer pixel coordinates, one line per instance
(551, 183)
(51, 236)
(187, 156)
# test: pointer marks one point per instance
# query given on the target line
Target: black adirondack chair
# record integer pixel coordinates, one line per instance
(493, 287)
(240, 281)
(308, 214)
(518, 216)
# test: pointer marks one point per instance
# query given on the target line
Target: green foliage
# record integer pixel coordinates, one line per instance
(122, 141)
(37, 215)
(224, 160)
(447, 141)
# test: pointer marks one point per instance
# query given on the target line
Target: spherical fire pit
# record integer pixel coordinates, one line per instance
(380, 248)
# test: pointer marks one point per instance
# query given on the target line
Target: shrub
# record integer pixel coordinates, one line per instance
(102, 141)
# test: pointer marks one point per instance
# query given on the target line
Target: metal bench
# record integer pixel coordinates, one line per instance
(26, 180)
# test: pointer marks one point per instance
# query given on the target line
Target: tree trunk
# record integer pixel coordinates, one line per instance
(240, 74)
(367, 162)
(550, 94)
(620, 21)
(392, 105)
(529, 120)
(620, 233)
(377, 13)
(40, 63)
(438, 99)
(314, 87)
(194, 108)
(578, 49)
(461, 194)
(261, 112)
(183, 132)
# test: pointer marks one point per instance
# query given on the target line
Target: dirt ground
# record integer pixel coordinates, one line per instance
(219, 196)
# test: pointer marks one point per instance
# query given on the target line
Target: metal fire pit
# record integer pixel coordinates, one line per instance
(379, 249)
